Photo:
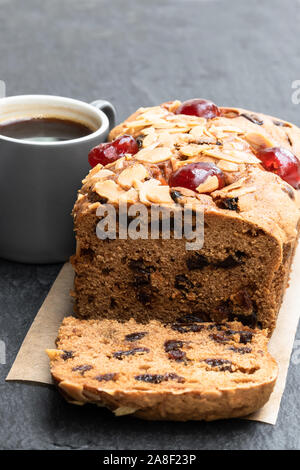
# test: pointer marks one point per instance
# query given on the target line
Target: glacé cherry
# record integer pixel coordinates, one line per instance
(282, 162)
(199, 107)
(111, 151)
(190, 176)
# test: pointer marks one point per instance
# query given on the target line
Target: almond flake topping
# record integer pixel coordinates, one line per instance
(156, 155)
(227, 166)
(191, 150)
(109, 190)
(160, 195)
(209, 185)
(102, 174)
(259, 140)
(234, 156)
(132, 173)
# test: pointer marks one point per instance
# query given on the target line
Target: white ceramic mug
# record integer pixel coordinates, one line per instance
(39, 180)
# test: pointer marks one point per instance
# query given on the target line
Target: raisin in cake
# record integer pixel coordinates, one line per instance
(249, 195)
(183, 371)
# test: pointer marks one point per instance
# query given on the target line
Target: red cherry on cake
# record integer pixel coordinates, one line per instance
(283, 163)
(111, 151)
(199, 107)
(192, 175)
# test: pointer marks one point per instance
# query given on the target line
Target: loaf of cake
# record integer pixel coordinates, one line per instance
(239, 168)
(188, 370)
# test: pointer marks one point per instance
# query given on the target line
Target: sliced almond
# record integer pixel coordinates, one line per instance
(144, 187)
(191, 150)
(102, 174)
(228, 166)
(156, 155)
(109, 190)
(124, 410)
(172, 127)
(92, 172)
(259, 140)
(135, 125)
(149, 130)
(120, 163)
(149, 139)
(54, 354)
(210, 184)
(130, 197)
(224, 128)
(199, 158)
(245, 190)
(132, 173)
(159, 195)
(172, 105)
(234, 156)
(197, 131)
(73, 391)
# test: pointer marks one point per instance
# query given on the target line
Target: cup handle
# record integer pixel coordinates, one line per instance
(108, 109)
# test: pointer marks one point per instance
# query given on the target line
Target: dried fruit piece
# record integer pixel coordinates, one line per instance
(281, 123)
(245, 350)
(283, 163)
(199, 107)
(111, 151)
(67, 355)
(189, 328)
(221, 364)
(252, 118)
(150, 378)
(177, 355)
(138, 265)
(173, 376)
(230, 203)
(193, 175)
(173, 348)
(196, 261)
(219, 338)
(176, 196)
(107, 377)
(182, 282)
(94, 197)
(173, 344)
(135, 336)
(231, 261)
(191, 318)
(157, 378)
(246, 337)
(82, 369)
(131, 352)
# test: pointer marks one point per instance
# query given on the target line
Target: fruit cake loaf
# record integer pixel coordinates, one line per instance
(241, 169)
(182, 371)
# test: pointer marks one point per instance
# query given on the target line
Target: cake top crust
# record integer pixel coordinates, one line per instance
(169, 141)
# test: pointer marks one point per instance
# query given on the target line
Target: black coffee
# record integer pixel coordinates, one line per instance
(45, 129)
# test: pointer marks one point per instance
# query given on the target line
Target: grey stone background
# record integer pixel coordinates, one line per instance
(235, 52)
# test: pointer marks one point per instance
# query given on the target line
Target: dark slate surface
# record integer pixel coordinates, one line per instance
(137, 53)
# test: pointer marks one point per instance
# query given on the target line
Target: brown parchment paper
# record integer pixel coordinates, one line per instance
(32, 364)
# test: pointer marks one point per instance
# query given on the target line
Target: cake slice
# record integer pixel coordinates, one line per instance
(248, 190)
(188, 370)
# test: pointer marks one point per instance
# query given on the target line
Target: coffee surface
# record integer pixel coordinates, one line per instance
(44, 129)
